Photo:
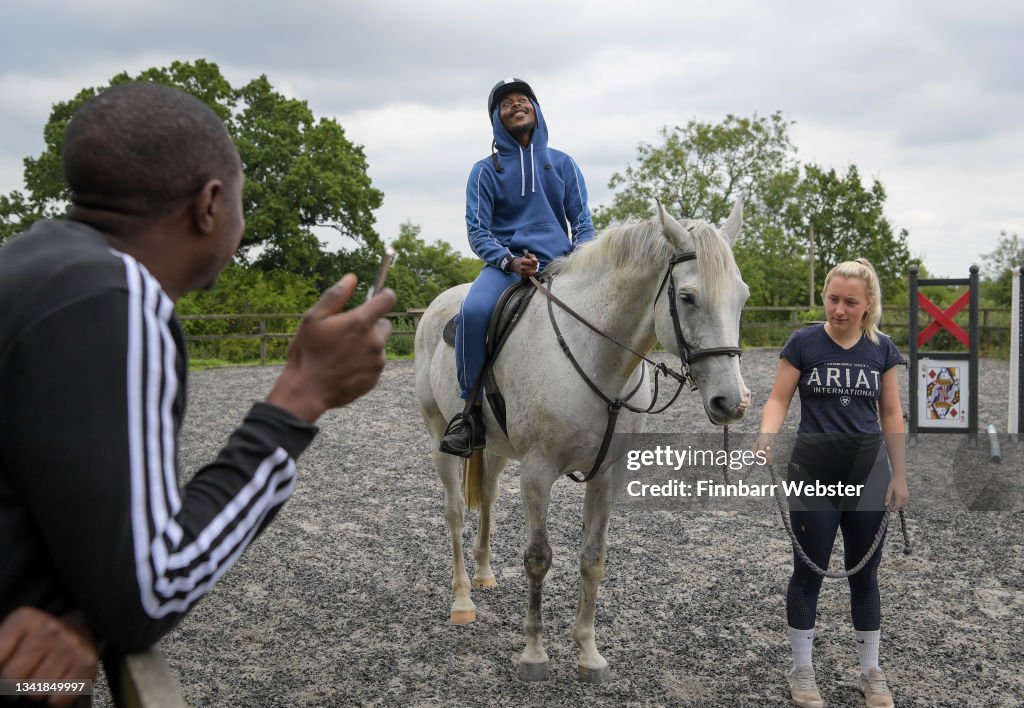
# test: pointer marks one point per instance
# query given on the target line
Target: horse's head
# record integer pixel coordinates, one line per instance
(698, 307)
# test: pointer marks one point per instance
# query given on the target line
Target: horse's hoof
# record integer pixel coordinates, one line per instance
(533, 672)
(463, 616)
(491, 582)
(587, 675)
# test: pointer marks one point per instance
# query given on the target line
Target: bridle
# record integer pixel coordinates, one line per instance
(687, 355)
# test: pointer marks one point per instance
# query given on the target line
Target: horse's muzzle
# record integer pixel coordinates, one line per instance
(721, 411)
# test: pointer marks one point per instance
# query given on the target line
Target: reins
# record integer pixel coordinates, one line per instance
(614, 405)
(687, 355)
(683, 377)
(883, 526)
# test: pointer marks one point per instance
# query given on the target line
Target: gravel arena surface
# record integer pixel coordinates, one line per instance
(344, 599)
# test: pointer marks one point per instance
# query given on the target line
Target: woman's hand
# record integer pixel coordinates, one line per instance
(763, 445)
(897, 495)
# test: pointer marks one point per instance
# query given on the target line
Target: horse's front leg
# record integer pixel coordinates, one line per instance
(597, 506)
(536, 490)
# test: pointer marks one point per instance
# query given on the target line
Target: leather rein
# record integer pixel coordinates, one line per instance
(687, 355)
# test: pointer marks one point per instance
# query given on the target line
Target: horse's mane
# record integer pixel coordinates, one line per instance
(641, 244)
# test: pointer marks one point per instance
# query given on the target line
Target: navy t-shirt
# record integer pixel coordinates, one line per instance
(839, 388)
(839, 392)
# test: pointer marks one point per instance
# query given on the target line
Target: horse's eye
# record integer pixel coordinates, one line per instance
(687, 298)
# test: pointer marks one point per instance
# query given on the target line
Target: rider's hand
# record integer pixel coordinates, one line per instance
(37, 645)
(335, 356)
(524, 266)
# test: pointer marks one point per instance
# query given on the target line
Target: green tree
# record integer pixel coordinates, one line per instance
(301, 172)
(423, 271)
(770, 253)
(245, 291)
(17, 214)
(241, 290)
(849, 222)
(997, 267)
(701, 168)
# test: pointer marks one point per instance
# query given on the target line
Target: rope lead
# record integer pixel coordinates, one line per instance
(879, 535)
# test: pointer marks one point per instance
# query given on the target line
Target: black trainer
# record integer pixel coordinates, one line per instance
(464, 434)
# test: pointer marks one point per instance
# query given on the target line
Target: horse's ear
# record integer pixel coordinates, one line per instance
(734, 224)
(672, 229)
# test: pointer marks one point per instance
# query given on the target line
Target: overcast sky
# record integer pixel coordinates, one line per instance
(927, 97)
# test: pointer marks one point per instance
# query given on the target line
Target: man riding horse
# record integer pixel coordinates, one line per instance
(521, 203)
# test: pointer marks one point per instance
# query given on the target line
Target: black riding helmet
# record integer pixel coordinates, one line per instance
(505, 87)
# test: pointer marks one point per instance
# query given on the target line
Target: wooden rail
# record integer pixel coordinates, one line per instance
(264, 334)
(895, 321)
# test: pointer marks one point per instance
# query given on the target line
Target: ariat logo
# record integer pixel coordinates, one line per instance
(845, 400)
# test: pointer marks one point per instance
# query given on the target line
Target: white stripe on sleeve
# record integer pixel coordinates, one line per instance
(172, 577)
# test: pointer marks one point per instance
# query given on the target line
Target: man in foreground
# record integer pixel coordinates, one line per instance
(93, 378)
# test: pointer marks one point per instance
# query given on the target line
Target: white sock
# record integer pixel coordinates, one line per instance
(802, 643)
(867, 649)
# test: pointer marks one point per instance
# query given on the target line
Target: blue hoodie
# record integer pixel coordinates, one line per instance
(530, 204)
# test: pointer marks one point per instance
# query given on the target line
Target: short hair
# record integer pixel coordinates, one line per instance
(861, 269)
(141, 148)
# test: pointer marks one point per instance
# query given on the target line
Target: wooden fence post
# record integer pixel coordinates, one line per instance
(263, 341)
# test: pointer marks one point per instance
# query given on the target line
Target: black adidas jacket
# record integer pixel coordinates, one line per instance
(92, 395)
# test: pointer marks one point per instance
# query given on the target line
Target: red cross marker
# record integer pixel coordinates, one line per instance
(944, 319)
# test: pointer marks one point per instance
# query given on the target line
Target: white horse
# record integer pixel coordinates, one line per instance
(556, 422)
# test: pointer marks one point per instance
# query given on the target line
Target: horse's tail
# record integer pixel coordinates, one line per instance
(472, 479)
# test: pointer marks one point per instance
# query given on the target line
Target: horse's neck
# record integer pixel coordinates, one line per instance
(620, 305)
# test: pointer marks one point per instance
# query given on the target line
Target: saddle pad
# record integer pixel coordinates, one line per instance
(448, 333)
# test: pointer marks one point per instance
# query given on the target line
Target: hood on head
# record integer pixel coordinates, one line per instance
(508, 145)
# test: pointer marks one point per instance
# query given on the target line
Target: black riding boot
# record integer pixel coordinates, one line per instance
(464, 434)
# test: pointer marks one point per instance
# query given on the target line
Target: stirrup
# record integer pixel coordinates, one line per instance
(460, 451)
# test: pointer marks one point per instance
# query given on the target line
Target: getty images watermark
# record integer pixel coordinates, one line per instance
(667, 457)
(708, 471)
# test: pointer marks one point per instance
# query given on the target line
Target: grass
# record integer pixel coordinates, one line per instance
(202, 364)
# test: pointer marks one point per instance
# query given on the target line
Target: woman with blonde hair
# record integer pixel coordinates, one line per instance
(850, 433)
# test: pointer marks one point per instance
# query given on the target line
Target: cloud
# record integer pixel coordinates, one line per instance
(925, 96)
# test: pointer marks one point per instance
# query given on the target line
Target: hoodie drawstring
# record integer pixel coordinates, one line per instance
(533, 172)
(522, 173)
